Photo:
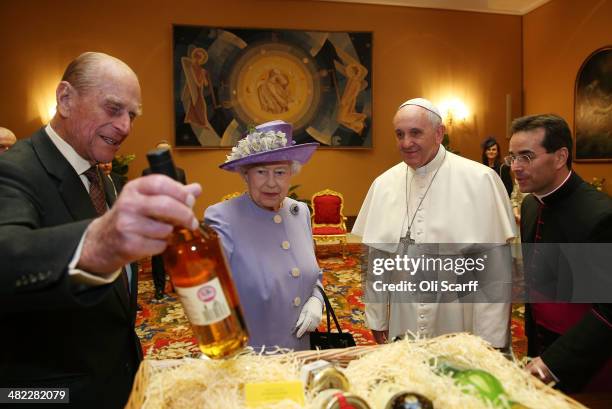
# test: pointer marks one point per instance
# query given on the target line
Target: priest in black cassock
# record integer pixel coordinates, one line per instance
(570, 341)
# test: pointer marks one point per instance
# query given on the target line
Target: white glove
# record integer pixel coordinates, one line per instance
(310, 317)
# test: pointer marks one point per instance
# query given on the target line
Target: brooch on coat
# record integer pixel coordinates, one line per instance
(294, 209)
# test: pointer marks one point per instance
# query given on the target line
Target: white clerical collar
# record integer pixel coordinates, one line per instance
(433, 164)
(79, 164)
(540, 197)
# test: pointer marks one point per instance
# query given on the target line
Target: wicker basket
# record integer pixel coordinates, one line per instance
(141, 381)
(340, 357)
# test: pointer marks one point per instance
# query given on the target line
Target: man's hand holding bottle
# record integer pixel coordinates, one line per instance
(138, 224)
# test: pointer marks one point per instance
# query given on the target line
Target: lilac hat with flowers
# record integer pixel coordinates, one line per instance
(269, 142)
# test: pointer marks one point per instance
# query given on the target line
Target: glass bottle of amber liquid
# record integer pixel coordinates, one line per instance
(202, 279)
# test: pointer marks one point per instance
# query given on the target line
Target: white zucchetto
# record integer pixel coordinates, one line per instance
(423, 103)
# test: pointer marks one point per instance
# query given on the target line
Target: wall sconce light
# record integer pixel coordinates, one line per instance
(52, 110)
(42, 94)
(45, 107)
(453, 110)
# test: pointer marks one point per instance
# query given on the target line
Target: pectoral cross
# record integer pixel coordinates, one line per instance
(405, 243)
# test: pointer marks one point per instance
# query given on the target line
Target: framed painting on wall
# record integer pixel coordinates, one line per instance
(593, 108)
(227, 79)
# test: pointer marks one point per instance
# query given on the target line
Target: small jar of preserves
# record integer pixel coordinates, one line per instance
(328, 378)
(337, 399)
(390, 396)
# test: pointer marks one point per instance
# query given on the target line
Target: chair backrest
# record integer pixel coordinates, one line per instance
(231, 196)
(327, 206)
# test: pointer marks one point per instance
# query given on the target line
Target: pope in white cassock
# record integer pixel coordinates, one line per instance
(435, 196)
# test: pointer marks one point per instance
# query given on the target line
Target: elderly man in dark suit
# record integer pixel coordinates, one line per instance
(157, 263)
(570, 341)
(67, 304)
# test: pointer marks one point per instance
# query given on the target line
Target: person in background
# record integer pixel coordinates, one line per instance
(164, 144)
(106, 167)
(570, 342)
(158, 271)
(66, 293)
(7, 139)
(267, 238)
(409, 204)
(107, 170)
(492, 157)
(516, 198)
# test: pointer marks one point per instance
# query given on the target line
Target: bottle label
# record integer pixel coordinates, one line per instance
(204, 304)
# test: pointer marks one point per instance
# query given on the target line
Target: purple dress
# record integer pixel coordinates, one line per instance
(273, 263)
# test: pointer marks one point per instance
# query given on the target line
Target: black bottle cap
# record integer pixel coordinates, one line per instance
(160, 161)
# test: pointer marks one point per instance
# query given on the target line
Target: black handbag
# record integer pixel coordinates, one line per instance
(328, 340)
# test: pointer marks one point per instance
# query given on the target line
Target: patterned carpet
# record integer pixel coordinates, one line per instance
(166, 334)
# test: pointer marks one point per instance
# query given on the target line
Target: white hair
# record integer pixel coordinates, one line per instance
(433, 113)
(296, 167)
(83, 73)
(434, 119)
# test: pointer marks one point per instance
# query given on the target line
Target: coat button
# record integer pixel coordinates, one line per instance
(297, 301)
(295, 272)
(422, 316)
(285, 245)
(278, 219)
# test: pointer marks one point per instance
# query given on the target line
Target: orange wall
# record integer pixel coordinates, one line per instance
(417, 52)
(557, 38)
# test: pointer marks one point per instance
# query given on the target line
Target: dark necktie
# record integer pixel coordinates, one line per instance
(96, 193)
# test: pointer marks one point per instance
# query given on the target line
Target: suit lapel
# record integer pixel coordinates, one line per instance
(110, 192)
(70, 186)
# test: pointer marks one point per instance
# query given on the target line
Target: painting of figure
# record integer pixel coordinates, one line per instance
(194, 102)
(355, 74)
(226, 79)
(593, 108)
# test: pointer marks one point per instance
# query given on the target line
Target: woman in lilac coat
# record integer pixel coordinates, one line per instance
(268, 242)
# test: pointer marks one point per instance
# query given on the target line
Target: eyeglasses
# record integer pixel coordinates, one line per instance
(522, 160)
(526, 158)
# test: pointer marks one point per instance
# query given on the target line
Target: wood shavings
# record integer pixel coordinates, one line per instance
(408, 364)
(209, 384)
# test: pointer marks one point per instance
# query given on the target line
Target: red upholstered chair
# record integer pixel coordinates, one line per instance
(328, 222)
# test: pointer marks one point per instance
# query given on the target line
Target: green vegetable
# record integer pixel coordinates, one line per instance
(483, 385)
(476, 382)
